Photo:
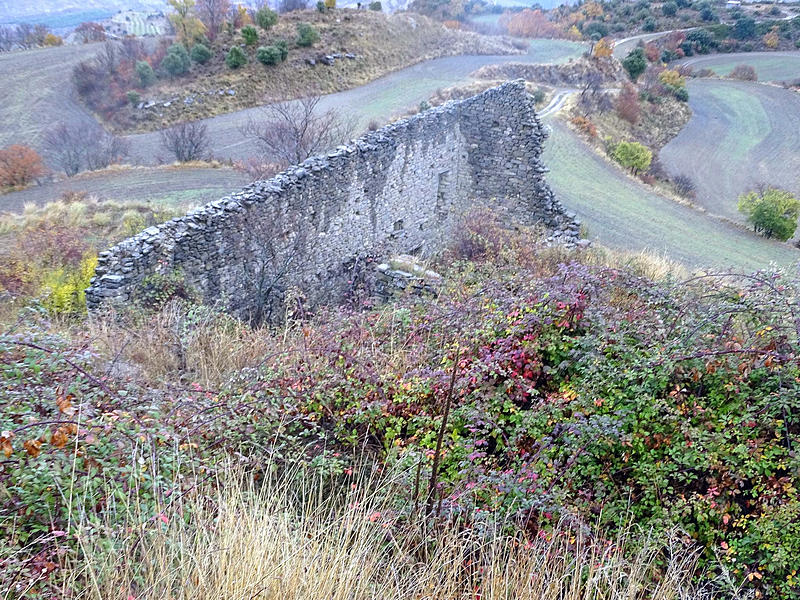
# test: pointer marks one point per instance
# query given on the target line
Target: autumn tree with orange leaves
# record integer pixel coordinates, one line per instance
(531, 23)
(19, 165)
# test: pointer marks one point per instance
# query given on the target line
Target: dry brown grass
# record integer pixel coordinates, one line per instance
(294, 538)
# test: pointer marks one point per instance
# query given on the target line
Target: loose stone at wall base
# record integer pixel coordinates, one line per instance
(398, 190)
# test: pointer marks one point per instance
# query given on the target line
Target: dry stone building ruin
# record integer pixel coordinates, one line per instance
(398, 190)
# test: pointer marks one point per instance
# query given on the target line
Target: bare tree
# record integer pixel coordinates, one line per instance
(593, 98)
(7, 38)
(24, 35)
(186, 141)
(108, 58)
(213, 14)
(132, 49)
(76, 148)
(285, 6)
(290, 132)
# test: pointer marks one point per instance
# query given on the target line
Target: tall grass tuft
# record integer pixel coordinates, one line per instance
(295, 537)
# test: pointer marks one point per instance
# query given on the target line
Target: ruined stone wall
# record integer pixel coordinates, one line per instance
(400, 189)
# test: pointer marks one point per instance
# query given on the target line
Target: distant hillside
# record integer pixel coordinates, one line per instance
(63, 15)
(355, 47)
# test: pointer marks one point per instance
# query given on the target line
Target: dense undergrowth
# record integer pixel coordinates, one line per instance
(569, 396)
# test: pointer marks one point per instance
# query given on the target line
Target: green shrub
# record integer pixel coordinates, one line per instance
(320, 6)
(744, 28)
(235, 58)
(283, 46)
(64, 289)
(268, 55)
(633, 156)
(681, 93)
(249, 35)
(133, 97)
(266, 18)
(595, 30)
(201, 53)
(649, 24)
(773, 212)
(376, 6)
(307, 35)
(669, 9)
(635, 63)
(145, 73)
(177, 61)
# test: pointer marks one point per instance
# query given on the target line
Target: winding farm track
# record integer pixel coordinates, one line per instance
(740, 135)
(380, 99)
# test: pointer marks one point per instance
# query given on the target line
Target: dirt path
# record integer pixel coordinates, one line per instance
(381, 99)
(746, 134)
(182, 187)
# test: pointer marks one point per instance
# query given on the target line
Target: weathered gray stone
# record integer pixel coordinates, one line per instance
(398, 190)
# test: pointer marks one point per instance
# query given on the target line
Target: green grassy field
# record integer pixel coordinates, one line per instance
(769, 66)
(623, 213)
(745, 134)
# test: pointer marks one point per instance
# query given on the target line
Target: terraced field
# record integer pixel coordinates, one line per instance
(740, 134)
(623, 213)
(769, 66)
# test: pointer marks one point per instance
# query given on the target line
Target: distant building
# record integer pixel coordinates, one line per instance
(733, 3)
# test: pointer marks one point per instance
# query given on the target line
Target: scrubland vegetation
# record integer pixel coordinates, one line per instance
(549, 424)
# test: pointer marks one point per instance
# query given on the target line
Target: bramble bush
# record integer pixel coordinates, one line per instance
(556, 390)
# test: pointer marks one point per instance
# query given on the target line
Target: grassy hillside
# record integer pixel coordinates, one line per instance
(741, 131)
(769, 66)
(622, 212)
(380, 44)
(37, 93)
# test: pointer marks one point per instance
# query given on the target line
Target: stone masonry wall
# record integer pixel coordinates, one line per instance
(398, 190)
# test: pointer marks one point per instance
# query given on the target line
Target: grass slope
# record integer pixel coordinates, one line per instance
(745, 134)
(380, 44)
(623, 213)
(769, 66)
(36, 93)
(179, 187)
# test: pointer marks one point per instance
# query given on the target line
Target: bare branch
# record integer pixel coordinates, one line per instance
(291, 132)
